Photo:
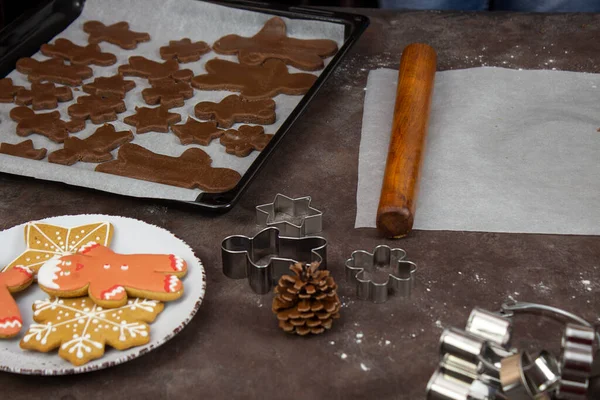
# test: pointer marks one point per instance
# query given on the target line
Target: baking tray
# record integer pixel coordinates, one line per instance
(38, 25)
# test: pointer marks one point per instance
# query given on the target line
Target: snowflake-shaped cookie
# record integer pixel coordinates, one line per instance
(81, 329)
(44, 241)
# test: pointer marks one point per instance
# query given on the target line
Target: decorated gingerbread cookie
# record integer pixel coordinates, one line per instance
(109, 277)
(44, 241)
(12, 280)
(80, 329)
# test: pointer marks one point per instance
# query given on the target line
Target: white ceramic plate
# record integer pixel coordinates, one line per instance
(130, 236)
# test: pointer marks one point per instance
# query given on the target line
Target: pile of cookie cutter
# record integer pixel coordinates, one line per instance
(479, 363)
(361, 267)
(267, 256)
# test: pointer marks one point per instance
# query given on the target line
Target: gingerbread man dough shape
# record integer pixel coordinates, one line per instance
(12, 280)
(109, 277)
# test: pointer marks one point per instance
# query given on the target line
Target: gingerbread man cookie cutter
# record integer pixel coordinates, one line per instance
(293, 217)
(267, 256)
(361, 268)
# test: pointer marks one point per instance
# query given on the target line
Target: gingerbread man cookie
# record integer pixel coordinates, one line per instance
(235, 108)
(11, 281)
(192, 169)
(272, 42)
(53, 70)
(97, 108)
(117, 34)
(24, 149)
(253, 82)
(109, 277)
(168, 93)
(241, 142)
(95, 148)
(46, 124)
(141, 66)
(114, 85)
(184, 50)
(43, 96)
(8, 90)
(78, 55)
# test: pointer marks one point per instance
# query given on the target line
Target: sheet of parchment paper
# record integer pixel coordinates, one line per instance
(164, 20)
(507, 151)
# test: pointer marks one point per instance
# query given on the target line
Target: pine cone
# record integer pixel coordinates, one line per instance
(306, 302)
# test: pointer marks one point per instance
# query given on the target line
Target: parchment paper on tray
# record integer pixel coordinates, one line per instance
(507, 151)
(164, 20)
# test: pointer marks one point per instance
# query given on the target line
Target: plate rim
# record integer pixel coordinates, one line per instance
(142, 350)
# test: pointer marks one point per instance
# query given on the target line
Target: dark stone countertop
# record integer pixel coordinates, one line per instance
(233, 348)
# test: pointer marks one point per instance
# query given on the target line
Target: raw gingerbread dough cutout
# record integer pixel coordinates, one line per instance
(43, 96)
(241, 142)
(94, 149)
(184, 50)
(45, 124)
(168, 93)
(12, 280)
(53, 70)
(157, 119)
(117, 34)
(24, 149)
(114, 85)
(192, 169)
(8, 90)
(109, 277)
(99, 109)
(197, 132)
(80, 329)
(253, 82)
(272, 42)
(78, 55)
(235, 108)
(153, 70)
(44, 241)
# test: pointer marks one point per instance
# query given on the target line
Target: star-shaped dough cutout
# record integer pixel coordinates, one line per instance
(45, 241)
(148, 119)
(197, 132)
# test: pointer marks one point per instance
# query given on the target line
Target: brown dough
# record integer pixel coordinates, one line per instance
(155, 119)
(241, 142)
(168, 93)
(46, 124)
(153, 70)
(8, 90)
(192, 169)
(233, 109)
(184, 50)
(114, 85)
(117, 34)
(197, 132)
(96, 148)
(253, 82)
(24, 149)
(53, 70)
(78, 55)
(272, 42)
(43, 96)
(97, 108)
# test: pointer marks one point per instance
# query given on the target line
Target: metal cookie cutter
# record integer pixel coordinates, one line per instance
(524, 378)
(576, 361)
(362, 267)
(293, 217)
(264, 258)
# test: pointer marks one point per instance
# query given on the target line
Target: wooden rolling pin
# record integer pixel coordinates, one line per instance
(396, 212)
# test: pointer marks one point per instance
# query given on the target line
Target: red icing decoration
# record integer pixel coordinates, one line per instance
(24, 270)
(167, 284)
(79, 266)
(85, 250)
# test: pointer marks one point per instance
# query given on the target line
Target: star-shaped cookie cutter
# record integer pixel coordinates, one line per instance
(266, 257)
(293, 217)
(361, 268)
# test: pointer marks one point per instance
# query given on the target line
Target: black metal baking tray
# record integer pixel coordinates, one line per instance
(37, 24)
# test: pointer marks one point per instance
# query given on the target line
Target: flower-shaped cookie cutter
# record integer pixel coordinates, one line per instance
(266, 257)
(293, 217)
(362, 266)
